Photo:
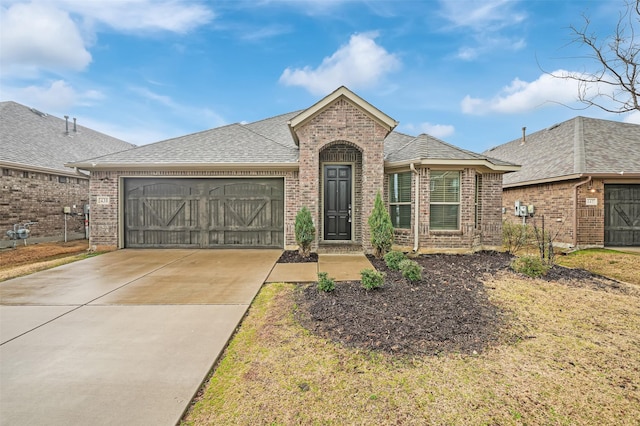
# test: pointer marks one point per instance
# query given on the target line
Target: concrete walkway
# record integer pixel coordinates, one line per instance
(122, 338)
(340, 267)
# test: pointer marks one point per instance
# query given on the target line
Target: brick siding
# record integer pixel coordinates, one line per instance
(555, 201)
(40, 197)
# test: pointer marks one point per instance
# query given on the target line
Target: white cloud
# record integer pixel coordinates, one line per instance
(38, 35)
(52, 97)
(521, 96)
(437, 130)
(481, 15)
(179, 16)
(360, 63)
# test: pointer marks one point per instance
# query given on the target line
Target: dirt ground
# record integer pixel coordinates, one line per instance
(447, 311)
(32, 253)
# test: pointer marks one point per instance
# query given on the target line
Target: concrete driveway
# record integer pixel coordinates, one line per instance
(122, 338)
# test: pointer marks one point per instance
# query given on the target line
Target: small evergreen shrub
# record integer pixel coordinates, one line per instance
(381, 228)
(393, 259)
(305, 231)
(325, 283)
(411, 270)
(532, 266)
(371, 279)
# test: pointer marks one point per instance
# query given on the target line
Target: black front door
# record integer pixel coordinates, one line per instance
(337, 202)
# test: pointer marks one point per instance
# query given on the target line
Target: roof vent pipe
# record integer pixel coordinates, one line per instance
(524, 135)
(66, 119)
(75, 128)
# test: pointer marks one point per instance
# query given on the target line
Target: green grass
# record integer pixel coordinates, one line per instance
(610, 263)
(570, 356)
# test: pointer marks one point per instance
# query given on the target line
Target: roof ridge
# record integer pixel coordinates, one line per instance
(266, 137)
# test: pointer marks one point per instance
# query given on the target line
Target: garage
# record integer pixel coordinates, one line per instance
(203, 213)
(622, 215)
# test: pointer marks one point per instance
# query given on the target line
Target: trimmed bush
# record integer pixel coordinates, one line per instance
(381, 228)
(411, 270)
(372, 279)
(305, 231)
(393, 259)
(532, 266)
(325, 283)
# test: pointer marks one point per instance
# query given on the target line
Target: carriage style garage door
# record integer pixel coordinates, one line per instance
(622, 215)
(162, 212)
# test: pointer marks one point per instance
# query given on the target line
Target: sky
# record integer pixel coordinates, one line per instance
(471, 73)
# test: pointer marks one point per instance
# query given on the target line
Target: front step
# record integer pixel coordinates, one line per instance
(339, 248)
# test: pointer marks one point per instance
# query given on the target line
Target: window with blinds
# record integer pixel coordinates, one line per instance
(400, 200)
(445, 200)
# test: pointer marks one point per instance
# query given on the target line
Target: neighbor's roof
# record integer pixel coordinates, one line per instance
(31, 139)
(577, 147)
(269, 143)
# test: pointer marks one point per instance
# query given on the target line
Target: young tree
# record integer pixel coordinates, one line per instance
(381, 228)
(615, 85)
(305, 231)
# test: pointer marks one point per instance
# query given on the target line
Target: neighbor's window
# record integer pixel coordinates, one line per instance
(400, 199)
(445, 200)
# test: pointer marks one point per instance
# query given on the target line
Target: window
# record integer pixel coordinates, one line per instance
(400, 199)
(445, 200)
(25, 175)
(62, 179)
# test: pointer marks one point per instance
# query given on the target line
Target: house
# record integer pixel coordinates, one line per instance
(241, 185)
(582, 176)
(35, 186)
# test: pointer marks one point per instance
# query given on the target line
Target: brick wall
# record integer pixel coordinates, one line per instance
(345, 123)
(555, 201)
(105, 220)
(34, 196)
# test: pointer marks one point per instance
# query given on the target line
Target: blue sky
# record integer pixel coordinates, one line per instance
(469, 72)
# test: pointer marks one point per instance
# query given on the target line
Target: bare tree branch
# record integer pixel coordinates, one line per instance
(615, 85)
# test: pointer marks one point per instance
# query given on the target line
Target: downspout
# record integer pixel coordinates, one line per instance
(575, 210)
(416, 213)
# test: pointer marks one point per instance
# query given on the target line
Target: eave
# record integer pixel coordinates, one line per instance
(37, 169)
(451, 163)
(185, 166)
(620, 175)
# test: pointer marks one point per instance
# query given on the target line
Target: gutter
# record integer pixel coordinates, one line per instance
(416, 213)
(575, 209)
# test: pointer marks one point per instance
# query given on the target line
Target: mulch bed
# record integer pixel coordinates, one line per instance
(448, 311)
(292, 256)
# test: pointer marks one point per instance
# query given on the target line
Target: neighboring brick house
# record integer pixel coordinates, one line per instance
(241, 185)
(583, 176)
(34, 183)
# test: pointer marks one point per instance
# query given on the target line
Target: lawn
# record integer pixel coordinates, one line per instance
(610, 263)
(567, 355)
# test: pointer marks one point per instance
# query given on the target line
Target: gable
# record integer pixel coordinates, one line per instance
(338, 100)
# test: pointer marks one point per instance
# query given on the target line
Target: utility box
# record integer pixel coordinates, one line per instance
(86, 209)
(530, 210)
(516, 209)
(66, 210)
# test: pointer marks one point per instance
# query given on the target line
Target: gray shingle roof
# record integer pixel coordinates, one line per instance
(265, 142)
(234, 143)
(427, 147)
(577, 146)
(31, 138)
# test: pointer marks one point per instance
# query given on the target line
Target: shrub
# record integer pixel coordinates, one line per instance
(411, 270)
(532, 266)
(372, 279)
(325, 283)
(393, 259)
(515, 236)
(381, 228)
(305, 231)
